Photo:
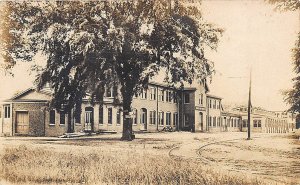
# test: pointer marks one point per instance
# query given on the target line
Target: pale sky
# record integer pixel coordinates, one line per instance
(255, 35)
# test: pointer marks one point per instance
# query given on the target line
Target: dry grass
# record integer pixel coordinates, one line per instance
(36, 165)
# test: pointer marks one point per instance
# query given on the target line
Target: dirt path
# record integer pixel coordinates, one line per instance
(272, 157)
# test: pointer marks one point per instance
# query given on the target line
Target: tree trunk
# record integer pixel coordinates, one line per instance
(127, 122)
(70, 129)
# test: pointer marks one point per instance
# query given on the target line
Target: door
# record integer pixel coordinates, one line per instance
(89, 119)
(22, 122)
(143, 125)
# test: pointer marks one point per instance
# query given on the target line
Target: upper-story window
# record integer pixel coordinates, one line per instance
(215, 102)
(144, 94)
(210, 103)
(161, 95)
(175, 97)
(218, 104)
(153, 93)
(169, 96)
(110, 92)
(186, 97)
(7, 111)
(201, 99)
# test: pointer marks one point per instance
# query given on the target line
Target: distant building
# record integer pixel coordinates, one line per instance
(262, 120)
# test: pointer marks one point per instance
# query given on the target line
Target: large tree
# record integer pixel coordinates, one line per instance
(92, 45)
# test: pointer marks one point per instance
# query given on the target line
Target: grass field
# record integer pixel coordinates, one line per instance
(24, 165)
(153, 158)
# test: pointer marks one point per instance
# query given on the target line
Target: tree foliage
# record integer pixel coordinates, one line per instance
(286, 4)
(292, 96)
(94, 44)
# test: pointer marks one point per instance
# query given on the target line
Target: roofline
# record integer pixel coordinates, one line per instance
(24, 101)
(161, 85)
(213, 96)
(22, 93)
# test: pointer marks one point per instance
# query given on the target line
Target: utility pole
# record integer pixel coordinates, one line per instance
(249, 106)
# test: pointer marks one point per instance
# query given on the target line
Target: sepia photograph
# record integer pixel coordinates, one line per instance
(150, 92)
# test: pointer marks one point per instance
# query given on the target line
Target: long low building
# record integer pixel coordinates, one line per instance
(262, 120)
(157, 107)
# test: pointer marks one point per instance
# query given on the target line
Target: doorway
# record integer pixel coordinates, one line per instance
(22, 122)
(89, 119)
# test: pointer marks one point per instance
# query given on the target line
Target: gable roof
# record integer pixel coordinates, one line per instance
(22, 93)
(19, 96)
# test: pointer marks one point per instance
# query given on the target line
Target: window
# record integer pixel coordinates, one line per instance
(175, 119)
(7, 111)
(209, 121)
(214, 121)
(109, 111)
(119, 117)
(256, 123)
(161, 118)
(152, 93)
(152, 117)
(186, 97)
(135, 113)
(160, 95)
(143, 116)
(210, 103)
(245, 122)
(175, 97)
(201, 99)
(169, 96)
(259, 123)
(62, 116)
(76, 116)
(111, 92)
(101, 114)
(186, 120)
(218, 121)
(215, 104)
(52, 117)
(144, 94)
(168, 118)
